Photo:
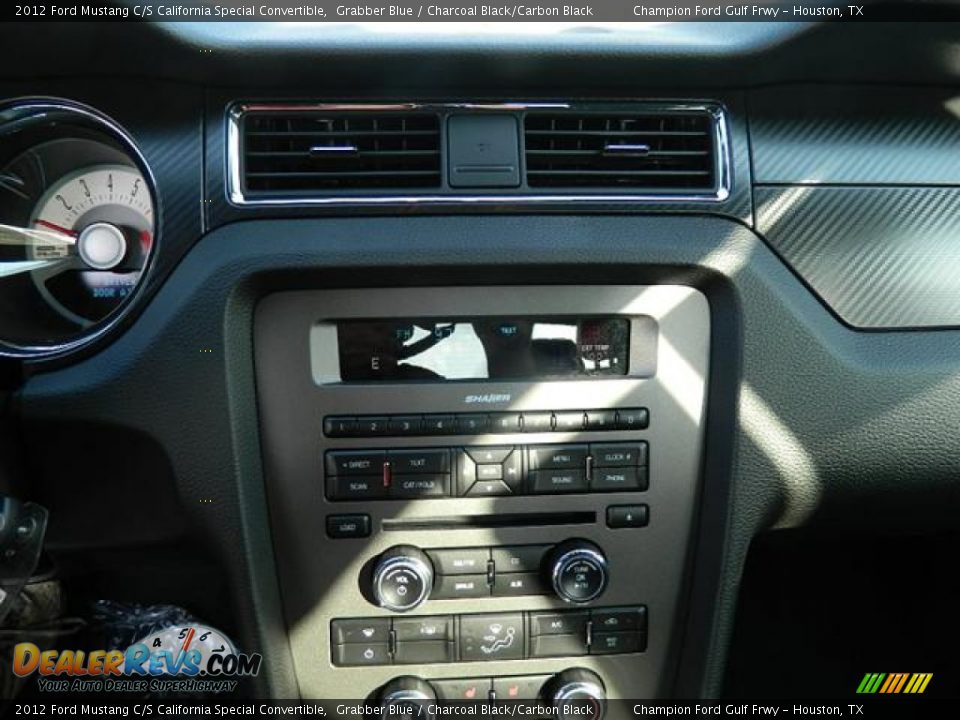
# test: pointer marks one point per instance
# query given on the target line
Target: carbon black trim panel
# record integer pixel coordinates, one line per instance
(878, 257)
(855, 135)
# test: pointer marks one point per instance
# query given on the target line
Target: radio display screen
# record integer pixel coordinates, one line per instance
(501, 348)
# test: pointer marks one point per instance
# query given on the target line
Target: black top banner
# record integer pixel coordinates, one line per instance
(572, 12)
(66, 705)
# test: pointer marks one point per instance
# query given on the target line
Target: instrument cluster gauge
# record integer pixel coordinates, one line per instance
(78, 226)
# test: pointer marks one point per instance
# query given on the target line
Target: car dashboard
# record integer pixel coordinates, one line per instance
(477, 366)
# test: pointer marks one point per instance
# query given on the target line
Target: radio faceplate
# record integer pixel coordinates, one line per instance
(326, 565)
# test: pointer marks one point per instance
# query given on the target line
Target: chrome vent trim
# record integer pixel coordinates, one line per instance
(304, 153)
(538, 196)
(620, 150)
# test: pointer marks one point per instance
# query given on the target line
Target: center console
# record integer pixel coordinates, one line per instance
(483, 492)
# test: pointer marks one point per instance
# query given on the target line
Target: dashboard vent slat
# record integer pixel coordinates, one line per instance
(653, 151)
(306, 152)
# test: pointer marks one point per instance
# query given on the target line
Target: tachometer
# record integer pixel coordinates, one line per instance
(105, 217)
(77, 225)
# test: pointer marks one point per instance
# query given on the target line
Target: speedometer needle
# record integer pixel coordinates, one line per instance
(58, 228)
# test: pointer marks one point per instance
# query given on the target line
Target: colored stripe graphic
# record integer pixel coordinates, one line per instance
(903, 680)
(870, 683)
(894, 683)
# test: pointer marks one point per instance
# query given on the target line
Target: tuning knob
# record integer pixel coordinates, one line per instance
(402, 578)
(577, 571)
(576, 688)
(407, 698)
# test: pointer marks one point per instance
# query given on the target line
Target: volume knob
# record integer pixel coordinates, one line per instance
(578, 571)
(402, 578)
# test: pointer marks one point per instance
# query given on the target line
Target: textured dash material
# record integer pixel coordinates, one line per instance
(855, 135)
(885, 257)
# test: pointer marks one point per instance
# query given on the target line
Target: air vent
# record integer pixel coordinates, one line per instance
(305, 153)
(661, 152)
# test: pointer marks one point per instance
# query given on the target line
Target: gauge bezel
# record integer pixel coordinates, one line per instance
(61, 114)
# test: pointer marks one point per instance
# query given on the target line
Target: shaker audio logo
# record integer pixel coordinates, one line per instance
(488, 399)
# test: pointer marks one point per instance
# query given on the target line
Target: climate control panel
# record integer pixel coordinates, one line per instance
(488, 637)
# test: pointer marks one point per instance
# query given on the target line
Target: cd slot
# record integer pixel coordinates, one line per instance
(500, 520)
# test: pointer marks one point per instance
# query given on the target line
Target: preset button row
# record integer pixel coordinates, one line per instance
(343, 426)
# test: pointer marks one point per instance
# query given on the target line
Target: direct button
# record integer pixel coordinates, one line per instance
(419, 461)
(341, 462)
(557, 457)
(460, 561)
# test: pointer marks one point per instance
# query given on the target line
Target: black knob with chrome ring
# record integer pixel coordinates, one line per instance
(576, 693)
(577, 571)
(407, 698)
(402, 578)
